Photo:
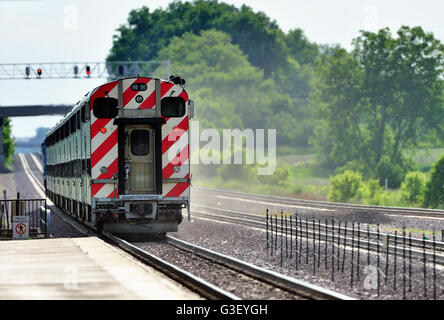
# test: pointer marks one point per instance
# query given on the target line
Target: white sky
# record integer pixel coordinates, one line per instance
(82, 30)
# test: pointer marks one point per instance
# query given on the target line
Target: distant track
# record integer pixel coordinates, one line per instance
(331, 206)
(367, 240)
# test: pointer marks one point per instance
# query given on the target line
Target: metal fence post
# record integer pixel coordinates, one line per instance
(266, 227)
(48, 222)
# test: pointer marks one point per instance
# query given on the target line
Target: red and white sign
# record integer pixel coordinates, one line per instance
(20, 227)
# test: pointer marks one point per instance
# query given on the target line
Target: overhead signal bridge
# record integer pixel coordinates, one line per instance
(82, 70)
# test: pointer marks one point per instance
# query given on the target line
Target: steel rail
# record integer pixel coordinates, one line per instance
(243, 216)
(298, 287)
(326, 237)
(420, 212)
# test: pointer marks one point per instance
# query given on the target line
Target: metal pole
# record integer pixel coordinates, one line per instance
(403, 263)
(434, 266)
(266, 227)
(394, 260)
(358, 257)
(424, 265)
(377, 260)
(410, 262)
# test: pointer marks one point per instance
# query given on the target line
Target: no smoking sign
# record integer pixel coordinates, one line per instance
(20, 227)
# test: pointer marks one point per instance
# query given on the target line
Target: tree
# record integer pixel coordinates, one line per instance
(300, 48)
(232, 92)
(434, 191)
(8, 142)
(149, 32)
(384, 98)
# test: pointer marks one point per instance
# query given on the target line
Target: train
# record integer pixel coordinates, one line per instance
(119, 160)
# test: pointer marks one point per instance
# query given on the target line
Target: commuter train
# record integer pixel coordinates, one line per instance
(119, 160)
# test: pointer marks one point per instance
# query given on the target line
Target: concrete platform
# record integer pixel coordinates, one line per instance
(79, 268)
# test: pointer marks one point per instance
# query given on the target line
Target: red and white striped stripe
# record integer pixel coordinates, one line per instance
(104, 150)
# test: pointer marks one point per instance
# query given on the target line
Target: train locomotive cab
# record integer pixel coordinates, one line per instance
(138, 174)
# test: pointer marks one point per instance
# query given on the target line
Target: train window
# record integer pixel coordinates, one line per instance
(72, 123)
(66, 129)
(105, 108)
(78, 119)
(82, 112)
(140, 141)
(172, 107)
(138, 87)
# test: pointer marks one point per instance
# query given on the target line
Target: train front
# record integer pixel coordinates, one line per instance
(140, 171)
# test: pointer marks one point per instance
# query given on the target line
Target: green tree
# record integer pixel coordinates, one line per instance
(383, 98)
(146, 33)
(434, 191)
(8, 142)
(233, 93)
(300, 48)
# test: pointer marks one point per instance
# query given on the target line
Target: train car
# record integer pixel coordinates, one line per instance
(119, 159)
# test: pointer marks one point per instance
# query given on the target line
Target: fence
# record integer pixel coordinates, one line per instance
(36, 211)
(361, 256)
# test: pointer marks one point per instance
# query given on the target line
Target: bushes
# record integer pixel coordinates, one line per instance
(413, 187)
(372, 193)
(344, 186)
(348, 186)
(434, 191)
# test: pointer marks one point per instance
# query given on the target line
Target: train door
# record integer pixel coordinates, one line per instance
(139, 159)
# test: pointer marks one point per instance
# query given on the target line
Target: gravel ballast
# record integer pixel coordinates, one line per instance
(249, 244)
(240, 285)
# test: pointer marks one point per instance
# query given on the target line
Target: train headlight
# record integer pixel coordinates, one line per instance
(176, 169)
(103, 169)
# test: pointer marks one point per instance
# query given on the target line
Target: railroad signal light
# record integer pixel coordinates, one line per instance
(39, 72)
(103, 130)
(88, 71)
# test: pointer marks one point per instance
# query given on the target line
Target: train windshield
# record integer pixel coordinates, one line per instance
(105, 108)
(173, 107)
(140, 142)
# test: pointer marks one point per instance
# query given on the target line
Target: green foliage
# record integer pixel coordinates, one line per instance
(279, 177)
(344, 186)
(371, 192)
(383, 98)
(434, 193)
(394, 172)
(300, 48)
(8, 142)
(240, 172)
(149, 32)
(413, 187)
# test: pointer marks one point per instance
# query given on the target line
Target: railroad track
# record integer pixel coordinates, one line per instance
(268, 278)
(369, 240)
(328, 206)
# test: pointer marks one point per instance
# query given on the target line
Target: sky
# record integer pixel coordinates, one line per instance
(82, 30)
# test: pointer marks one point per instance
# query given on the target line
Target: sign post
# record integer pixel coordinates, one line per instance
(20, 227)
